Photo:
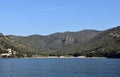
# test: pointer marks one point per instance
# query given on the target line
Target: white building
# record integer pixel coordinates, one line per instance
(9, 54)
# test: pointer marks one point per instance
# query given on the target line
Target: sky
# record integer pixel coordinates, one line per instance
(44, 17)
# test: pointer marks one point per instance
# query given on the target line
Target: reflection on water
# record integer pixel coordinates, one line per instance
(59, 67)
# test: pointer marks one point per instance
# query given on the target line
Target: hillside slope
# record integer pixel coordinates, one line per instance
(57, 41)
(6, 43)
(86, 42)
(106, 43)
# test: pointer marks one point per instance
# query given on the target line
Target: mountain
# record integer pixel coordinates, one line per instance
(86, 42)
(57, 41)
(106, 43)
(6, 43)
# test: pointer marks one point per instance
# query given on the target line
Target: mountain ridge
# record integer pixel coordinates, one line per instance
(85, 41)
(57, 39)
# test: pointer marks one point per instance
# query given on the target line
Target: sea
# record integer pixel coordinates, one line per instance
(59, 67)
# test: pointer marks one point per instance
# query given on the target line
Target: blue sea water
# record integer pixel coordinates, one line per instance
(59, 67)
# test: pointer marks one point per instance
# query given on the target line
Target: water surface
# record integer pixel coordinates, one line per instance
(59, 67)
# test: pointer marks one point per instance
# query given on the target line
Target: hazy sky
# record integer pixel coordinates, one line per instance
(26, 17)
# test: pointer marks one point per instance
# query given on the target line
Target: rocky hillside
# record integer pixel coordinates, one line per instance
(86, 42)
(107, 42)
(57, 41)
(108, 39)
(6, 42)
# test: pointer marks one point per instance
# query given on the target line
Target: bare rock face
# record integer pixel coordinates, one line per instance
(115, 35)
(69, 40)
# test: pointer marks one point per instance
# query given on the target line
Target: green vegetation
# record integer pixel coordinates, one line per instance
(76, 54)
(3, 51)
(90, 43)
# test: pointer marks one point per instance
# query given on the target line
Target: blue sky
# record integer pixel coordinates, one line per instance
(44, 17)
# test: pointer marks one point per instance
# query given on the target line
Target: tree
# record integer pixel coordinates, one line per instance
(76, 54)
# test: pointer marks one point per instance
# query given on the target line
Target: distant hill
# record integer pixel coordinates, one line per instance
(86, 42)
(107, 42)
(7, 42)
(57, 41)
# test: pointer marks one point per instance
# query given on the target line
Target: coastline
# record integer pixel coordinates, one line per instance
(55, 57)
(65, 57)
